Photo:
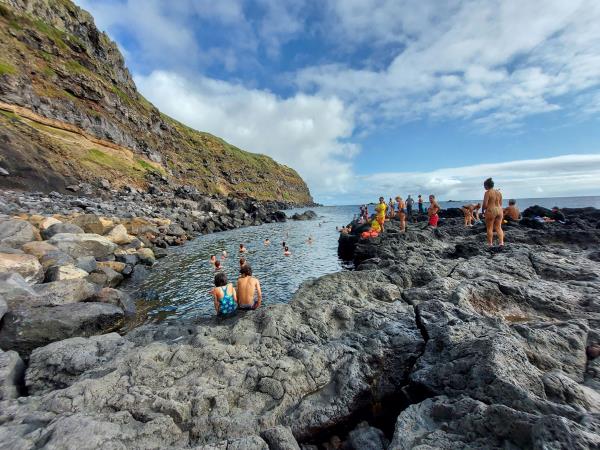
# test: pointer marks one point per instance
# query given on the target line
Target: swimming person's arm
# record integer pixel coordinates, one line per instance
(258, 294)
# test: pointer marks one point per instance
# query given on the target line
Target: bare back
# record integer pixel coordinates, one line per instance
(247, 287)
(492, 202)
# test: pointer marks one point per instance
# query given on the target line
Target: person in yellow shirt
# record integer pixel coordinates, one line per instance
(380, 210)
(375, 226)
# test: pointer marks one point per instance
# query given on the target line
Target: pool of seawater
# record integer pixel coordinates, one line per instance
(179, 285)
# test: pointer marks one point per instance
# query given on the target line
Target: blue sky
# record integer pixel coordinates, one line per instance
(370, 97)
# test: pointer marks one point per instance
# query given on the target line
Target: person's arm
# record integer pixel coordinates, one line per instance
(258, 294)
(234, 295)
(215, 300)
(485, 202)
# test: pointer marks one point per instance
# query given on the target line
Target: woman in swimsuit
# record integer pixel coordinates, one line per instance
(401, 213)
(224, 295)
(492, 208)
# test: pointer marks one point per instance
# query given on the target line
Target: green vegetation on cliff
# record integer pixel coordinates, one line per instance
(57, 64)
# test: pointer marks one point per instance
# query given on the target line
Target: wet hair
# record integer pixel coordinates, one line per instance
(286, 249)
(242, 261)
(512, 201)
(217, 264)
(241, 245)
(488, 184)
(221, 279)
(246, 269)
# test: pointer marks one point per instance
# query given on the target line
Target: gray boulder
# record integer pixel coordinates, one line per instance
(12, 371)
(78, 245)
(59, 228)
(59, 364)
(366, 437)
(116, 297)
(280, 438)
(87, 263)
(14, 233)
(65, 291)
(25, 329)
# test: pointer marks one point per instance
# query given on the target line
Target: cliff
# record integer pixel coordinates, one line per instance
(70, 112)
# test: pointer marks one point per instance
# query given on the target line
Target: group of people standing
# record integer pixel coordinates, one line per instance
(491, 209)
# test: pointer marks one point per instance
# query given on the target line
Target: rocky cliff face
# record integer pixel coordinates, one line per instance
(70, 111)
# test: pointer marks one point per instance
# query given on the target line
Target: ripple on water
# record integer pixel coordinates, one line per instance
(180, 284)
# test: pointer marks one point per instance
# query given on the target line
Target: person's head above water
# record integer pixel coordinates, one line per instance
(512, 202)
(488, 184)
(241, 245)
(246, 270)
(217, 264)
(220, 279)
(213, 257)
(287, 249)
(242, 261)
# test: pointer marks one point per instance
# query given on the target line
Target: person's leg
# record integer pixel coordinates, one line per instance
(498, 229)
(489, 227)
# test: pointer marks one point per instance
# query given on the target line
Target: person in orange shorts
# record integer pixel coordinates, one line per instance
(380, 210)
(432, 211)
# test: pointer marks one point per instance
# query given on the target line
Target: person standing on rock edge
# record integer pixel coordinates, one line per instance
(492, 209)
(390, 209)
(224, 295)
(401, 213)
(248, 289)
(432, 211)
(409, 207)
(380, 212)
(420, 204)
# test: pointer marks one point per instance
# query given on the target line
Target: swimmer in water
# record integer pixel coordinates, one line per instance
(223, 255)
(242, 248)
(242, 261)
(492, 208)
(213, 259)
(286, 251)
(310, 240)
(218, 265)
(267, 242)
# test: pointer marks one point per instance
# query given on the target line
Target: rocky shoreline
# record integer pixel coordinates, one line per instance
(62, 257)
(434, 341)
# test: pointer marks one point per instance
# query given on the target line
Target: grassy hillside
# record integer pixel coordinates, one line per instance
(55, 64)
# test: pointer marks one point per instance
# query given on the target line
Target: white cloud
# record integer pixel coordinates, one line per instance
(303, 132)
(561, 175)
(491, 62)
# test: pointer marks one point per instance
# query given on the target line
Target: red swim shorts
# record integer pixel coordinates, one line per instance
(433, 220)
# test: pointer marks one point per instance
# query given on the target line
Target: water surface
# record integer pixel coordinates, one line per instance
(181, 282)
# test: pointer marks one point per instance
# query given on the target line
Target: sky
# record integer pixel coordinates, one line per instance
(381, 97)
